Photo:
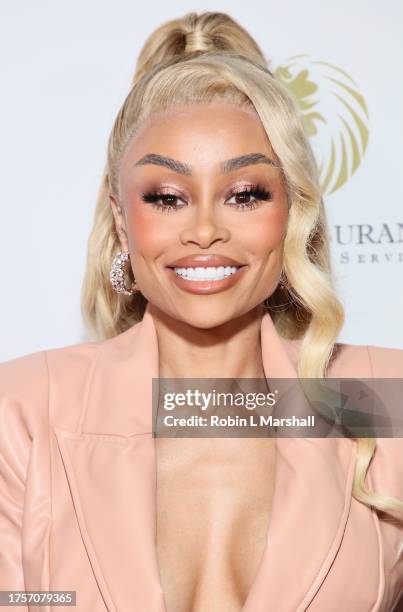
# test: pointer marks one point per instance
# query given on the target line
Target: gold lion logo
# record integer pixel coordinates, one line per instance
(335, 116)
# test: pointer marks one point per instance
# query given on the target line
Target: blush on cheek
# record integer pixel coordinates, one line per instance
(265, 232)
(146, 234)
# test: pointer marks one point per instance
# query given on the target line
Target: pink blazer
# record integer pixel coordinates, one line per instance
(78, 486)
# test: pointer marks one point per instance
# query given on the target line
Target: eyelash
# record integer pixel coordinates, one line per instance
(258, 192)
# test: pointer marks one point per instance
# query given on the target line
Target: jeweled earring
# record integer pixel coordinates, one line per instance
(117, 274)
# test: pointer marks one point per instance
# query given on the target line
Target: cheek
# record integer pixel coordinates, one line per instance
(263, 233)
(146, 233)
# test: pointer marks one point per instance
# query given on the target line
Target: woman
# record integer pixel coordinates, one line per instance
(208, 257)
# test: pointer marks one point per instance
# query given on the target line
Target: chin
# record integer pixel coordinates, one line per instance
(206, 316)
(207, 323)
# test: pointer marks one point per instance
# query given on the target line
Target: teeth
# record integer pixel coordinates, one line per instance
(218, 273)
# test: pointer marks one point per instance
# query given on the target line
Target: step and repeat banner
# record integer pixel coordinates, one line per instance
(66, 69)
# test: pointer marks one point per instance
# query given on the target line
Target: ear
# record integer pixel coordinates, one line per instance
(119, 222)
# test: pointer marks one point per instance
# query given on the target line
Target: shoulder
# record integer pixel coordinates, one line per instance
(357, 360)
(386, 362)
(365, 361)
(28, 373)
(26, 381)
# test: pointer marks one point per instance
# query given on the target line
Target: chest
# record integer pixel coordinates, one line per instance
(213, 507)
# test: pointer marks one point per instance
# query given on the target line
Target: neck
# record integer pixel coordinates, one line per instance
(230, 350)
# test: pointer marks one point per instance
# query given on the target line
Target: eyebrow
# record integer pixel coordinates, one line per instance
(226, 166)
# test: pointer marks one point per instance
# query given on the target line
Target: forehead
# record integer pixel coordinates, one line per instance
(200, 110)
(214, 128)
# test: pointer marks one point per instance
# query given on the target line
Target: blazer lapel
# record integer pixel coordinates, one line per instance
(110, 464)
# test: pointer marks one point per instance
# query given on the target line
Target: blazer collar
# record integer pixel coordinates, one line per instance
(110, 464)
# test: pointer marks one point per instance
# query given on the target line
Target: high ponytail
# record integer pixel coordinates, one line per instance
(196, 34)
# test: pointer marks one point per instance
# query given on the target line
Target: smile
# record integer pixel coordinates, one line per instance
(205, 280)
(206, 274)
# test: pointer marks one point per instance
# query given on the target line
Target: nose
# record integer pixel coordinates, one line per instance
(204, 229)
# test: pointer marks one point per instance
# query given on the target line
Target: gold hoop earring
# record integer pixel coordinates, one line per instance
(117, 274)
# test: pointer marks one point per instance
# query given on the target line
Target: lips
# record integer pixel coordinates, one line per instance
(203, 286)
(205, 261)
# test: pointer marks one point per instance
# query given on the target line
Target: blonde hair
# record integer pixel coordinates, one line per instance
(202, 58)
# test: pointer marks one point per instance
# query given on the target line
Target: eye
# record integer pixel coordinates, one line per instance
(167, 202)
(243, 197)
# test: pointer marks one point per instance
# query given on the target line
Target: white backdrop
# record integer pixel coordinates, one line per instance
(66, 68)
